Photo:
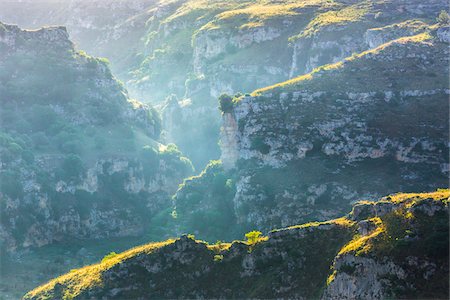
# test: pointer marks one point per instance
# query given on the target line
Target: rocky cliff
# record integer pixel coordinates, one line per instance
(305, 149)
(201, 49)
(394, 248)
(79, 158)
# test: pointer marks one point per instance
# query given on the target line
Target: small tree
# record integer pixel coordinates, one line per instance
(109, 256)
(443, 18)
(253, 237)
(226, 103)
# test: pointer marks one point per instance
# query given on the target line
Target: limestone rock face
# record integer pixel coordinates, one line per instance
(341, 132)
(228, 141)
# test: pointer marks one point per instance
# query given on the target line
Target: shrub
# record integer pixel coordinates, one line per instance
(42, 117)
(259, 145)
(10, 184)
(443, 18)
(226, 103)
(109, 256)
(72, 167)
(171, 150)
(40, 139)
(253, 237)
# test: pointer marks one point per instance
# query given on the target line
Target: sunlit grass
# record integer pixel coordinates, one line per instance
(343, 16)
(359, 244)
(363, 244)
(410, 197)
(87, 277)
(422, 38)
(254, 14)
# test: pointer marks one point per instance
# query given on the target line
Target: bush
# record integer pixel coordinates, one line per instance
(72, 167)
(40, 139)
(109, 256)
(218, 257)
(69, 142)
(42, 117)
(226, 103)
(11, 185)
(253, 237)
(443, 18)
(259, 145)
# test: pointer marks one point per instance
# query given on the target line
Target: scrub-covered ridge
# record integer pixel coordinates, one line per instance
(394, 248)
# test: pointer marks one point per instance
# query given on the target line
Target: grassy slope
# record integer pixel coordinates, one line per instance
(340, 76)
(342, 238)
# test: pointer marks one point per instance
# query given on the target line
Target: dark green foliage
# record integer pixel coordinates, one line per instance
(72, 167)
(41, 117)
(259, 144)
(11, 184)
(349, 269)
(226, 103)
(213, 189)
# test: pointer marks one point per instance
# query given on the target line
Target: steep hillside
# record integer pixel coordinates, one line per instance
(305, 149)
(79, 158)
(111, 29)
(199, 49)
(394, 248)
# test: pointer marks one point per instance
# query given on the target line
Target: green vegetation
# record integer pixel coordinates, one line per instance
(443, 18)
(218, 257)
(207, 199)
(82, 279)
(334, 17)
(109, 256)
(260, 145)
(249, 15)
(226, 103)
(253, 237)
(72, 167)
